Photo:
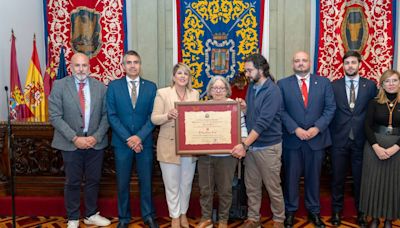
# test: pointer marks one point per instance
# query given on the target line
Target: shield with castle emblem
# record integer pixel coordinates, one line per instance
(85, 31)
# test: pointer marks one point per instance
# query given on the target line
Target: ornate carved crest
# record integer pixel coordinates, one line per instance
(85, 31)
(354, 29)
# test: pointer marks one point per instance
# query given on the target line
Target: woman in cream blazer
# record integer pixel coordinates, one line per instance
(177, 171)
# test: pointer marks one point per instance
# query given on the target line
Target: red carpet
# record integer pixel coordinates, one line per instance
(54, 206)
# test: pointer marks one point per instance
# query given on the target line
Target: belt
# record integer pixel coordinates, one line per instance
(380, 129)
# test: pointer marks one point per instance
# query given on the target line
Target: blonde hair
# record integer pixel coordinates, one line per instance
(212, 82)
(381, 98)
(186, 69)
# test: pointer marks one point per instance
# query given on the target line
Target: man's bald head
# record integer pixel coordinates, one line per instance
(80, 66)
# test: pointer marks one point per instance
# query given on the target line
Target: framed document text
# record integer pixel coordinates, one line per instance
(207, 127)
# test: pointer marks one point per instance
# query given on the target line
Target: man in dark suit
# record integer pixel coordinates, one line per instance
(352, 94)
(129, 107)
(308, 108)
(77, 111)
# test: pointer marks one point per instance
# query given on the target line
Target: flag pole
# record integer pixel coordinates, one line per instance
(11, 153)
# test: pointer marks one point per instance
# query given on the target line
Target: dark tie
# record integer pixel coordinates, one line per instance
(352, 95)
(133, 93)
(81, 95)
(352, 105)
(304, 92)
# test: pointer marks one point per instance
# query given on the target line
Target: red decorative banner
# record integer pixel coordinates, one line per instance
(96, 28)
(365, 26)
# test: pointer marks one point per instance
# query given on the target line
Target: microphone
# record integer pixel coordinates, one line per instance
(6, 88)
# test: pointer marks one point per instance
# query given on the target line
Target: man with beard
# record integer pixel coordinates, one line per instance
(77, 111)
(264, 142)
(129, 106)
(308, 108)
(352, 94)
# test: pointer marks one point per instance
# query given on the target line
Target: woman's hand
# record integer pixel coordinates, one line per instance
(380, 152)
(392, 150)
(172, 114)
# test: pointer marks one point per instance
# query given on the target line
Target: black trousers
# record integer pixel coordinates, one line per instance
(79, 166)
(342, 157)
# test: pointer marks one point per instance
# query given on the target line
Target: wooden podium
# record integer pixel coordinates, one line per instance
(39, 167)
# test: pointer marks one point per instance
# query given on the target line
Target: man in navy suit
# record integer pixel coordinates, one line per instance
(352, 94)
(129, 107)
(308, 108)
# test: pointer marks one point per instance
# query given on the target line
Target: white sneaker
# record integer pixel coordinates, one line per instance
(97, 220)
(73, 224)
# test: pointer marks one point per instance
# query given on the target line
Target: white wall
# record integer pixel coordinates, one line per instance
(26, 18)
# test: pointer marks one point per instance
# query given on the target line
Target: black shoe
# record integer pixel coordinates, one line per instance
(388, 223)
(316, 220)
(336, 220)
(122, 225)
(362, 220)
(289, 220)
(151, 222)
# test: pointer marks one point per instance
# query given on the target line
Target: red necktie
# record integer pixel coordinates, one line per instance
(304, 92)
(81, 95)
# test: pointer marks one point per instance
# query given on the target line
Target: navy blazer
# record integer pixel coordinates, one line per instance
(125, 120)
(344, 118)
(319, 112)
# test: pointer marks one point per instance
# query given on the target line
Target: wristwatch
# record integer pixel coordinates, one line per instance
(246, 147)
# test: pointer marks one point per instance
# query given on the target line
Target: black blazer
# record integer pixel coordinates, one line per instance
(344, 118)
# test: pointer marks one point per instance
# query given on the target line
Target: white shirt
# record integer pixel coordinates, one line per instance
(356, 81)
(86, 94)
(137, 83)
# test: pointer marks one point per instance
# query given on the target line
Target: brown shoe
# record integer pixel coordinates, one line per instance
(251, 224)
(223, 224)
(184, 221)
(278, 225)
(205, 224)
(175, 223)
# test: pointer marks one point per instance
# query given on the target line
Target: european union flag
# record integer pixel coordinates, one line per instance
(62, 67)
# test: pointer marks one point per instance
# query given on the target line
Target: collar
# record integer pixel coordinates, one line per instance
(305, 77)
(129, 80)
(355, 78)
(78, 81)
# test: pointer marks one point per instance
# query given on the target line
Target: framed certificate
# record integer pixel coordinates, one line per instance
(207, 127)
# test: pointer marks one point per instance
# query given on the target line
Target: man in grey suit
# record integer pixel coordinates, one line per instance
(77, 111)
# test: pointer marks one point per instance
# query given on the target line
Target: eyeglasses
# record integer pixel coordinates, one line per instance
(218, 89)
(391, 81)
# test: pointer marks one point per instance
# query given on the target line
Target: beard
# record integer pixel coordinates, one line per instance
(256, 78)
(351, 74)
(302, 72)
(81, 77)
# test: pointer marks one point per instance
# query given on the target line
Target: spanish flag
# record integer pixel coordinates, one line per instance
(34, 89)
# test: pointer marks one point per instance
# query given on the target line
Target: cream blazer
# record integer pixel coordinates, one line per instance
(165, 101)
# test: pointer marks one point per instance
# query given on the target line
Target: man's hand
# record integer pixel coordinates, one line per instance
(91, 141)
(312, 132)
(135, 143)
(81, 143)
(238, 151)
(302, 134)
